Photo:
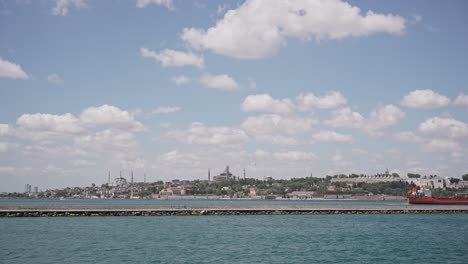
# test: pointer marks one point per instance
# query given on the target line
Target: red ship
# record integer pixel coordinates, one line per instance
(418, 195)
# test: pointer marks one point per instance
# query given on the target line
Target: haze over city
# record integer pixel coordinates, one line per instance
(283, 89)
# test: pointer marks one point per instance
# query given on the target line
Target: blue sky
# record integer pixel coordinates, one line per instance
(172, 88)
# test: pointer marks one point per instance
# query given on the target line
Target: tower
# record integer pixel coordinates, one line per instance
(131, 187)
(244, 173)
(209, 176)
(108, 179)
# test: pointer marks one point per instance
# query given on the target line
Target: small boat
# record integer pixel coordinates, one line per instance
(419, 195)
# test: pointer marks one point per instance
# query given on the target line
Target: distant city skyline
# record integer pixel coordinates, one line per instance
(172, 88)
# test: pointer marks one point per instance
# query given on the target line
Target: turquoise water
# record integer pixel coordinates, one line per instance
(237, 239)
(195, 203)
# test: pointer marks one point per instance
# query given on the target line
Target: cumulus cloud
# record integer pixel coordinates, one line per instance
(444, 127)
(181, 79)
(66, 123)
(4, 130)
(107, 140)
(345, 117)
(330, 100)
(332, 136)
(379, 118)
(221, 82)
(461, 100)
(265, 103)
(62, 7)
(441, 145)
(174, 58)
(201, 134)
(11, 70)
(54, 78)
(382, 117)
(5, 147)
(111, 116)
(294, 156)
(166, 109)
(407, 136)
(259, 28)
(277, 130)
(166, 3)
(424, 99)
(276, 124)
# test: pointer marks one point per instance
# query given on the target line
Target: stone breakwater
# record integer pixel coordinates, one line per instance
(260, 210)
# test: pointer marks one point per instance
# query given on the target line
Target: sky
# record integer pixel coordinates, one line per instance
(287, 89)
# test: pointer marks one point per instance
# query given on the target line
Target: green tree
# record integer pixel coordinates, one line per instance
(465, 177)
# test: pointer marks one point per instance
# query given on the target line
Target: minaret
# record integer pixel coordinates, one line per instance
(131, 187)
(244, 173)
(108, 179)
(209, 176)
(120, 179)
(144, 177)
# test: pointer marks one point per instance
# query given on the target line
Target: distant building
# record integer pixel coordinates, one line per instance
(301, 194)
(367, 179)
(36, 189)
(27, 188)
(431, 182)
(226, 175)
(173, 191)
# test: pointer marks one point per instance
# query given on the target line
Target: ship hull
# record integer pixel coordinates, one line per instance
(431, 200)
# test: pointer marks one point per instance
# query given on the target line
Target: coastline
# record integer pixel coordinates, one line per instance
(15, 211)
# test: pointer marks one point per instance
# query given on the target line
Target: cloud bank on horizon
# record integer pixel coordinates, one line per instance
(283, 89)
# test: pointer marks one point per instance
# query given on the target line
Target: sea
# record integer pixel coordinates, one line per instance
(405, 238)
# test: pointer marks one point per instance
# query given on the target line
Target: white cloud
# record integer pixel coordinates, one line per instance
(11, 70)
(174, 58)
(407, 136)
(201, 134)
(110, 116)
(166, 3)
(221, 81)
(332, 136)
(441, 145)
(259, 28)
(345, 117)
(221, 9)
(461, 100)
(340, 161)
(181, 79)
(310, 101)
(53, 78)
(272, 124)
(277, 140)
(4, 130)
(444, 127)
(62, 6)
(265, 103)
(424, 99)
(117, 142)
(165, 110)
(277, 130)
(417, 19)
(7, 170)
(294, 156)
(379, 118)
(4, 147)
(66, 123)
(382, 117)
